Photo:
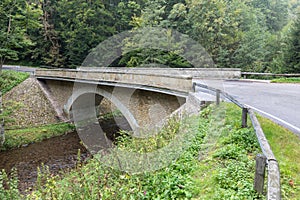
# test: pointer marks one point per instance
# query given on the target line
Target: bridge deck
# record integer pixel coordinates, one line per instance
(177, 81)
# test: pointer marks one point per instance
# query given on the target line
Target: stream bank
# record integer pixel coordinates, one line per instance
(59, 153)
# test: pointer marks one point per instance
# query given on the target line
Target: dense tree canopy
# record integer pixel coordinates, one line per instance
(255, 35)
(292, 57)
(16, 18)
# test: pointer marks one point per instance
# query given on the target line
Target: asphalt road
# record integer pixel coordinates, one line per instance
(279, 102)
(19, 68)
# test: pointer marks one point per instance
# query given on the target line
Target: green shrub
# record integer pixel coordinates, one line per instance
(10, 79)
(9, 186)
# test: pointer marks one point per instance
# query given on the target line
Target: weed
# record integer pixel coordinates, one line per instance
(9, 186)
(225, 172)
(10, 79)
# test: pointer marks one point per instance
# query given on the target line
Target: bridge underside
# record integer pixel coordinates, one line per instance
(145, 97)
(80, 102)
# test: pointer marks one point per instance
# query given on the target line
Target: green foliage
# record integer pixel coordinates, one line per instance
(228, 170)
(18, 137)
(152, 57)
(292, 58)
(286, 80)
(235, 181)
(82, 26)
(232, 177)
(275, 13)
(10, 79)
(248, 35)
(252, 35)
(97, 181)
(8, 108)
(126, 11)
(9, 185)
(244, 138)
(15, 19)
(154, 142)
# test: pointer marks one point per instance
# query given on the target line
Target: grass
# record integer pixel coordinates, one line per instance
(226, 170)
(218, 164)
(21, 137)
(285, 146)
(98, 181)
(10, 79)
(286, 80)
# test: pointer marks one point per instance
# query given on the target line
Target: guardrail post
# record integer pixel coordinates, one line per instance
(259, 179)
(194, 87)
(218, 97)
(244, 117)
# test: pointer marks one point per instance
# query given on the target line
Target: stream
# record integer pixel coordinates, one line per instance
(58, 153)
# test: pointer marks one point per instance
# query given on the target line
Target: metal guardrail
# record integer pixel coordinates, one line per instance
(267, 160)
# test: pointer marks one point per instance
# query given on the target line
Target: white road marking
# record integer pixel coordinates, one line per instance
(280, 121)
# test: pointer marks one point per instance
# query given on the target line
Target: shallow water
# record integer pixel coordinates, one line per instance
(58, 153)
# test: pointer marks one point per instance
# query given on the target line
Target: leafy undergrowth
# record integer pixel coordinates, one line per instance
(286, 80)
(19, 137)
(217, 164)
(285, 146)
(226, 168)
(10, 79)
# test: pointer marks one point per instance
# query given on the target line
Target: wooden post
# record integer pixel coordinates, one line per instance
(244, 117)
(218, 97)
(259, 179)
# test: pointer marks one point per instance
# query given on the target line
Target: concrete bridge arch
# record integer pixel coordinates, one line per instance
(81, 105)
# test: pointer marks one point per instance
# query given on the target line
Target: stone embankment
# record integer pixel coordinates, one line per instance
(29, 106)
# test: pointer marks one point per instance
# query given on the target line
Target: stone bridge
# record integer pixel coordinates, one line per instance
(145, 96)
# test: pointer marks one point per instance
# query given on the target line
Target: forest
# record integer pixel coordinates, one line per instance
(254, 35)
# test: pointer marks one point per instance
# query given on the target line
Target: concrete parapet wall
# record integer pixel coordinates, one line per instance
(220, 73)
(176, 79)
(176, 82)
(225, 73)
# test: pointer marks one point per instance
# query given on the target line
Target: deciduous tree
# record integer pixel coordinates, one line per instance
(14, 21)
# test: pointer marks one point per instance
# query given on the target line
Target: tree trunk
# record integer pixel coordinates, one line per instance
(1, 65)
(2, 135)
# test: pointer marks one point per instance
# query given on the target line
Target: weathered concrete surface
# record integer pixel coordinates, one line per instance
(31, 106)
(218, 73)
(141, 108)
(177, 83)
(145, 96)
